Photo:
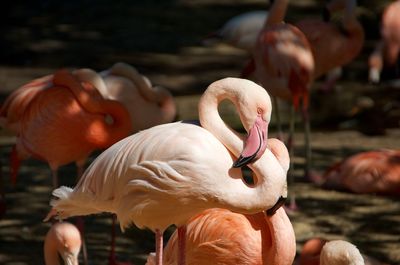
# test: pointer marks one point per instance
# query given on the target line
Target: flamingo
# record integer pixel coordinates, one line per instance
(65, 121)
(387, 50)
(319, 251)
(334, 46)
(64, 240)
(167, 174)
(284, 65)
(147, 105)
(376, 171)
(220, 236)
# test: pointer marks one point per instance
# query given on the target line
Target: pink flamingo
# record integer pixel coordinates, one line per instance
(167, 174)
(375, 171)
(334, 46)
(319, 251)
(147, 105)
(219, 236)
(387, 50)
(64, 240)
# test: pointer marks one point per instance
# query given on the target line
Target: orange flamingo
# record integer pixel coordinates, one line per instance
(284, 65)
(387, 50)
(62, 121)
(334, 46)
(319, 251)
(367, 172)
(219, 236)
(62, 240)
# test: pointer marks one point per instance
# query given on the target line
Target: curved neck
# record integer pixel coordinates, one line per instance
(92, 77)
(211, 120)
(277, 12)
(281, 249)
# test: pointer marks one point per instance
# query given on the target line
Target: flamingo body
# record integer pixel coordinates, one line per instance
(367, 172)
(223, 237)
(291, 77)
(66, 122)
(330, 46)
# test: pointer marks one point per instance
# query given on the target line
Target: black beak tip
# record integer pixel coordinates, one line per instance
(281, 201)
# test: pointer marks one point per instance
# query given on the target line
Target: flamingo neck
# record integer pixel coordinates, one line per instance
(51, 254)
(277, 12)
(281, 249)
(211, 120)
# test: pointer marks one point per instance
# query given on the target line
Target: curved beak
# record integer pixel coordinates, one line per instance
(255, 143)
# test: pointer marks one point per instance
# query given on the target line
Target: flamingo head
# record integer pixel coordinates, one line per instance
(256, 124)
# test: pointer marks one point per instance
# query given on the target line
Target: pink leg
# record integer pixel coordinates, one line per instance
(159, 247)
(112, 259)
(80, 223)
(181, 245)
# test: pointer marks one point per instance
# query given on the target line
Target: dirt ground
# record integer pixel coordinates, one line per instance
(163, 40)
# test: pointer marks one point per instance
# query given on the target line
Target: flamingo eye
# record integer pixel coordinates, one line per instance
(259, 110)
(247, 176)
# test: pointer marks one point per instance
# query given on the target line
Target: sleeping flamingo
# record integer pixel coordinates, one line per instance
(387, 50)
(375, 171)
(147, 105)
(284, 65)
(219, 236)
(319, 251)
(62, 240)
(65, 121)
(334, 46)
(167, 174)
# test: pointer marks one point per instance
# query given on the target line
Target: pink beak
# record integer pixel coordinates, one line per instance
(255, 143)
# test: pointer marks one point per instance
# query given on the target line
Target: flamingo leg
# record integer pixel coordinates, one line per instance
(181, 245)
(277, 117)
(307, 143)
(290, 144)
(159, 247)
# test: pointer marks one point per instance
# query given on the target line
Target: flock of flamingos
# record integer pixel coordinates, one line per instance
(155, 173)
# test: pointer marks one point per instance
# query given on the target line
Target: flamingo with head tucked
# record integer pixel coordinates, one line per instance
(376, 171)
(387, 50)
(66, 121)
(62, 240)
(167, 174)
(147, 105)
(219, 236)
